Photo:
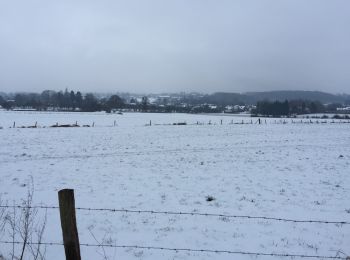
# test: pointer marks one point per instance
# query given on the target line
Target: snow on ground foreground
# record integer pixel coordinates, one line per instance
(293, 171)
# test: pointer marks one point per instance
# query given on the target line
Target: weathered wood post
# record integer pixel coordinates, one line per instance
(68, 224)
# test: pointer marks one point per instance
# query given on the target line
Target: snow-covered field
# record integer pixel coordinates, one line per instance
(294, 171)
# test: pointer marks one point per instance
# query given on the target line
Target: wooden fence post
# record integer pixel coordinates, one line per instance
(68, 224)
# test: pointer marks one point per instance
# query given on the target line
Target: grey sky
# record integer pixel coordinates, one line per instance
(175, 45)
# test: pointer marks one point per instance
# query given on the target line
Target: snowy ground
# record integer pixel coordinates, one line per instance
(295, 171)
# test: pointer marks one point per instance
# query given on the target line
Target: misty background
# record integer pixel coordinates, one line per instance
(172, 46)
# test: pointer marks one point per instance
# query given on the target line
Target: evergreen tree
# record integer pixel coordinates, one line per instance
(90, 103)
(79, 99)
(144, 103)
(115, 102)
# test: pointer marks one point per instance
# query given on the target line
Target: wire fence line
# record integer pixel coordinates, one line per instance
(252, 121)
(186, 213)
(62, 198)
(192, 250)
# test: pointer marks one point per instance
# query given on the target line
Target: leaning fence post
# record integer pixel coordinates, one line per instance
(68, 224)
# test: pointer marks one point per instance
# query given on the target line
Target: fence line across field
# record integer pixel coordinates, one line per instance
(192, 250)
(261, 121)
(72, 245)
(186, 213)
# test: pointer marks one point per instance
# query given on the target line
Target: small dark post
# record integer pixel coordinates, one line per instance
(150, 122)
(259, 121)
(114, 123)
(221, 122)
(14, 124)
(93, 124)
(68, 224)
(36, 124)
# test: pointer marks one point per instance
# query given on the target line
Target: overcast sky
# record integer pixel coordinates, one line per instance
(175, 45)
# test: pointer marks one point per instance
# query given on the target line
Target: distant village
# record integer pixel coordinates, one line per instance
(73, 101)
(76, 101)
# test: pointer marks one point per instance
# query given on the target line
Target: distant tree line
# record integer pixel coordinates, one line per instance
(289, 108)
(67, 100)
(76, 101)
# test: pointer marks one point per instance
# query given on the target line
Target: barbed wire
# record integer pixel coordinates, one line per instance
(181, 250)
(187, 213)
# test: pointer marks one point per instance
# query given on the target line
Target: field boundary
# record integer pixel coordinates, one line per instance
(185, 250)
(72, 245)
(186, 213)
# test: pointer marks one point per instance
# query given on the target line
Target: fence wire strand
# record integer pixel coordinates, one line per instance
(184, 250)
(189, 214)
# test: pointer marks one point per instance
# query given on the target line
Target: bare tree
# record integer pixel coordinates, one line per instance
(2, 223)
(2, 218)
(25, 229)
